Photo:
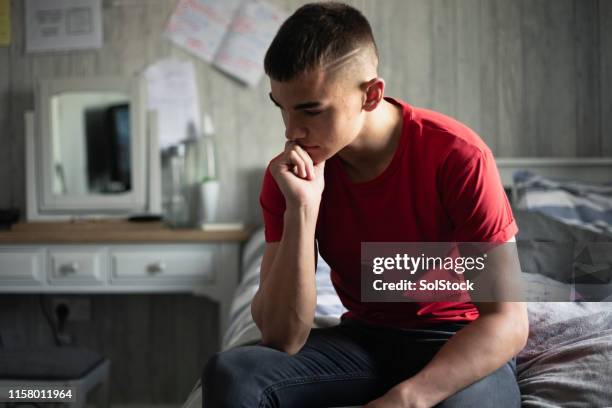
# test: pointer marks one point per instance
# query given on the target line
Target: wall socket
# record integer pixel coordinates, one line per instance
(79, 307)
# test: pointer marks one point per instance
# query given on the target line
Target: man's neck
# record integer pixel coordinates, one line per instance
(372, 151)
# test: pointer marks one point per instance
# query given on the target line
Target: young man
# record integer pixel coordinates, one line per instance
(361, 167)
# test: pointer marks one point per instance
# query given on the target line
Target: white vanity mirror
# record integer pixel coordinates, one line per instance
(90, 151)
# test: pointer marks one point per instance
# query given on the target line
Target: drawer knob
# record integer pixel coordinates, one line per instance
(72, 267)
(157, 267)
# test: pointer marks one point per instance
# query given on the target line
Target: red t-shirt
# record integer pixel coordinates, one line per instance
(442, 185)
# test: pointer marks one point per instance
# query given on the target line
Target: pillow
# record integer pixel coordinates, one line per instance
(538, 226)
(552, 259)
(560, 251)
(586, 205)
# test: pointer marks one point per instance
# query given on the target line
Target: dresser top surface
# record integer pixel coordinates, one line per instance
(117, 231)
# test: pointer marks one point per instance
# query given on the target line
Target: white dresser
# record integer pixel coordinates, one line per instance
(120, 257)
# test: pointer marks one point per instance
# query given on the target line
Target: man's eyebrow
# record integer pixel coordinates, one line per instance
(299, 106)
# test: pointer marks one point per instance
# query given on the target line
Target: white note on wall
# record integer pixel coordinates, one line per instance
(60, 25)
(233, 35)
(172, 92)
(243, 50)
(200, 25)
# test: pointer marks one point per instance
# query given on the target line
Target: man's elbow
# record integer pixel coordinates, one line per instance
(521, 329)
(513, 318)
(524, 336)
(289, 346)
(286, 338)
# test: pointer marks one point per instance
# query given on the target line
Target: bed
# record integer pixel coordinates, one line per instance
(568, 357)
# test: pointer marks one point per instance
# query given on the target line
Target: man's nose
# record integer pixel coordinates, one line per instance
(295, 133)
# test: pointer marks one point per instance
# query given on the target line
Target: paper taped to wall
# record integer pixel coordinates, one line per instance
(232, 35)
(200, 25)
(250, 34)
(60, 25)
(172, 92)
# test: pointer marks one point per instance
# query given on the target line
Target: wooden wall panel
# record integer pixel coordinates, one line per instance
(605, 46)
(416, 34)
(405, 54)
(488, 64)
(467, 66)
(587, 91)
(444, 52)
(510, 140)
(549, 90)
(5, 109)
(18, 97)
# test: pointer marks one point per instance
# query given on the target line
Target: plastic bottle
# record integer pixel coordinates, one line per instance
(176, 206)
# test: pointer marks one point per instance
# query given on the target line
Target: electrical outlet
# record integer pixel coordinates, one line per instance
(79, 307)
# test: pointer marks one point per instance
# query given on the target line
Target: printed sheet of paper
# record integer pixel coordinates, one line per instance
(199, 26)
(59, 25)
(242, 52)
(5, 23)
(172, 92)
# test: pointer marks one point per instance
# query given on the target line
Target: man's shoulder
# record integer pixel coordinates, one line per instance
(447, 132)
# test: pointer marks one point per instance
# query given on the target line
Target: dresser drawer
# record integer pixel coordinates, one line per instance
(154, 264)
(75, 265)
(22, 266)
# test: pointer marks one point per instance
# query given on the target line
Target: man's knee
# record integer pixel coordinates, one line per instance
(228, 378)
(499, 389)
(227, 368)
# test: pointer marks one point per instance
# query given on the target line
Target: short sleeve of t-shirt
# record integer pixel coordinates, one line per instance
(272, 204)
(474, 197)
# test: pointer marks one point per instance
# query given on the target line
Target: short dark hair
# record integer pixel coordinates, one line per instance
(315, 35)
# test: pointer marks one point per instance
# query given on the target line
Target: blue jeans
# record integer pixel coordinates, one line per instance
(349, 364)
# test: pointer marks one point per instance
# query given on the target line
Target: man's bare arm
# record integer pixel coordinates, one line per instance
(472, 353)
(476, 350)
(283, 307)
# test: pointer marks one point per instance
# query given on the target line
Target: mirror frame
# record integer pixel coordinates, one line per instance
(144, 195)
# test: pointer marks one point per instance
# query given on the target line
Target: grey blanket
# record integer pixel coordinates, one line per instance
(568, 357)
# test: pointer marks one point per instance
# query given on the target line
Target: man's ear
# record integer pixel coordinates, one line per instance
(374, 90)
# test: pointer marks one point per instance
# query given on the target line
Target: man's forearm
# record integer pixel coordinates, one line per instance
(286, 299)
(471, 354)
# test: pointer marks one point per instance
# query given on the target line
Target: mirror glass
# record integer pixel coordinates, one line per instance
(91, 143)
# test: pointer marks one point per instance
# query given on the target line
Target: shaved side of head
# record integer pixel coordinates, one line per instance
(355, 67)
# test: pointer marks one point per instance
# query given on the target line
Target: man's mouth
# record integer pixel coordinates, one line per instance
(308, 148)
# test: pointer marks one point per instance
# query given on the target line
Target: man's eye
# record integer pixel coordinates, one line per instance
(312, 113)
